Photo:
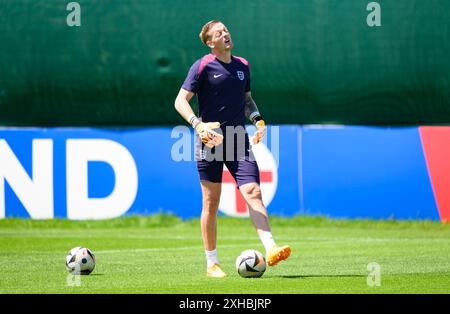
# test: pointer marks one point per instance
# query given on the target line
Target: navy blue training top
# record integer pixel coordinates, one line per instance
(220, 88)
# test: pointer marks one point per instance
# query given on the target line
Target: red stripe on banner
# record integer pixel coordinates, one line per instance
(241, 205)
(265, 176)
(436, 147)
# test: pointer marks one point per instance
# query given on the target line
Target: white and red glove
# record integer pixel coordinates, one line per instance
(260, 131)
(205, 130)
(209, 137)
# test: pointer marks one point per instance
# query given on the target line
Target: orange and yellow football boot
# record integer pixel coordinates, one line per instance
(277, 254)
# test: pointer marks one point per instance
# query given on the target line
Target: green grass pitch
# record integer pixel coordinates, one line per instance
(162, 254)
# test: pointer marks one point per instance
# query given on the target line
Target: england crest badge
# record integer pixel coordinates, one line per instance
(240, 75)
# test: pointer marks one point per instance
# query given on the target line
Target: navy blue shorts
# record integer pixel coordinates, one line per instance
(240, 163)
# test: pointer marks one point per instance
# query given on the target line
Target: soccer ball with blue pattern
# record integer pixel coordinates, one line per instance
(80, 261)
(251, 264)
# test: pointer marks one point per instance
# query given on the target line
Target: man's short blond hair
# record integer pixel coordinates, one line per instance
(204, 37)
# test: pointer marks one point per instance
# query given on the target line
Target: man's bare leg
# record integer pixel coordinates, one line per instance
(258, 214)
(208, 220)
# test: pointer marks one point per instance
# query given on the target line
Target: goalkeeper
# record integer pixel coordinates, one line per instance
(221, 82)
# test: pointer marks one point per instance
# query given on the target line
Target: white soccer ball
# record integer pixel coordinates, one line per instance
(251, 264)
(80, 261)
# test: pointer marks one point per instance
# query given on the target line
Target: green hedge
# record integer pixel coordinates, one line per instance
(312, 61)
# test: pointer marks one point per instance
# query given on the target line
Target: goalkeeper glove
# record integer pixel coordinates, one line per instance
(260, 130)
(205, 130)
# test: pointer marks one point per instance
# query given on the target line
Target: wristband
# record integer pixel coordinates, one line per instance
(193, 120)
(253, 115)
(256, 118)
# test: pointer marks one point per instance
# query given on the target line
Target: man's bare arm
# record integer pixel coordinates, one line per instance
(205, 130)
(251, 109)
(182, 105)
(252, 113)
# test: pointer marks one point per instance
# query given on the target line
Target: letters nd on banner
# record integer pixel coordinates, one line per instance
(85, 173)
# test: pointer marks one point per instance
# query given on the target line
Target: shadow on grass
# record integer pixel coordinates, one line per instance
(321, 276)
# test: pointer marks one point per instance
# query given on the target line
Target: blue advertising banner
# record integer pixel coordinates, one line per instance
(366, 172)
(86, 173)
(83, 173)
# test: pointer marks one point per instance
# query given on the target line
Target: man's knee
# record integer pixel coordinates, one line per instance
(251, 190)
(211, 201)
(211, 204)
(211, 196)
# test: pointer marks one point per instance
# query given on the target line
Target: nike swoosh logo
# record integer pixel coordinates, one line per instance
(216, 76)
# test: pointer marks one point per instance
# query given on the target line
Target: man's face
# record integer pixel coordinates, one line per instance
(220, 37)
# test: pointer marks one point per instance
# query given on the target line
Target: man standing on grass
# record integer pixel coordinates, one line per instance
(222, 84)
